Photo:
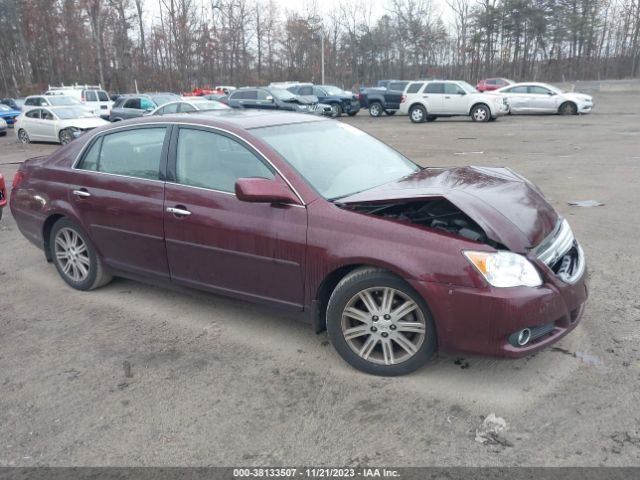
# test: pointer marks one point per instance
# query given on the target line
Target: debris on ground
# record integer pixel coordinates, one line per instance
(586, 203)
(462, 363)
(127, 369)
(489, 432)
(620, 439)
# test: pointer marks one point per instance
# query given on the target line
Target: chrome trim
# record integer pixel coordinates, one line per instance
(167, 125)
(558, 244)
(81, 193)
(178, 211)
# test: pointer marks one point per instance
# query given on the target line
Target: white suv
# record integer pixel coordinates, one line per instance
(92, 96)
(424, 101)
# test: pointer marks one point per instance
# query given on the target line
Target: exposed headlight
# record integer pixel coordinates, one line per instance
(505, 269)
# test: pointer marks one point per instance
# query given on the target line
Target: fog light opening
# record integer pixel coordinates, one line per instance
(523, 337)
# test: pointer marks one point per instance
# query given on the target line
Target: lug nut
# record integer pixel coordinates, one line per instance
(392, 327)
(374, 329)
(385, 334)
(374, 318)
(387, 316)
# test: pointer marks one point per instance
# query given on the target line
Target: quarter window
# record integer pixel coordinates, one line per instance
(210, 160)
(134, 153)
(35, 113)
(414, 87)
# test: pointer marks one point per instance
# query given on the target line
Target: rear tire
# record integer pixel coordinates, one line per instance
(375, 109)
(568, 108)
(418, 114)
(23, 136)
(391, 334)
(75, 257)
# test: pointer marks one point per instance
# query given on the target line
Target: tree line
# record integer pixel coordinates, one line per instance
(180, 44)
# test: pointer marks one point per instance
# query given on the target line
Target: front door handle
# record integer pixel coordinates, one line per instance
(179, 212)
(82, 193)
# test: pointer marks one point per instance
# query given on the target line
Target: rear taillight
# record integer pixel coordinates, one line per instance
(17, 179)
(360, 97)
(403, 98)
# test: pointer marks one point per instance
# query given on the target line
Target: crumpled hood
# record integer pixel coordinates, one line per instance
(510, 209)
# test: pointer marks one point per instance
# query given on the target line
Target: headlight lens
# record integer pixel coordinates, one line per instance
(505, 269)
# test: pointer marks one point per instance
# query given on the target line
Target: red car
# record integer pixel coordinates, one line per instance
(3, 195)
(396, 261)
(490, 84)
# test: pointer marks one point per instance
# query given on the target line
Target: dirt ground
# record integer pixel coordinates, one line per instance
(218, 382)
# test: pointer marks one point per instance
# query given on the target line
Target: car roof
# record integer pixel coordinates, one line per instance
(236, 119)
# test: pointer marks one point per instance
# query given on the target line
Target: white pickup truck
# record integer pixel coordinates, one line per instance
(424, 101)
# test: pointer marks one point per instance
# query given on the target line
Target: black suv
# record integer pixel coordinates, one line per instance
(267, 98)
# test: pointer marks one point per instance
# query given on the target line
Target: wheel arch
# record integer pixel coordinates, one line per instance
(330, 282)
(418, 104)
(479, 103)
(46, 233)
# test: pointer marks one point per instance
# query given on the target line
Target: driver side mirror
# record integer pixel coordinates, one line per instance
(262, 190)
(552, 93)
(269, 98)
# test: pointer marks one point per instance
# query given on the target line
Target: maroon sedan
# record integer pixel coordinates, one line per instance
(490, 84)
(3, 195)
(396, 261)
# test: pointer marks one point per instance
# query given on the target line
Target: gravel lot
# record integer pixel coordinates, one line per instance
(218, 382)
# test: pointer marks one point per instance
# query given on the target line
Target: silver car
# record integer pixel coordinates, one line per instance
(544, 98)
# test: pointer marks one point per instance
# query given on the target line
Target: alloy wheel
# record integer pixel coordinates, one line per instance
(23, 136)
(72, 255)
(480, 114)
(383, 325)
(375, 110)
(417, 115)
(65, 137)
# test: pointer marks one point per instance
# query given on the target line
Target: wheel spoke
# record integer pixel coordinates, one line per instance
(368, 347)
(404, 309)
(66, 267)
(61, 255)
(387, 300)
(357, 314)
(415, 327)
(387, 352)
(355, 332)
(405, 344)
(82, 270)
(61, 243)
(369, 302)
(81, 248)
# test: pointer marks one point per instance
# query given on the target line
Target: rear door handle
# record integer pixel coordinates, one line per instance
(179, 211)
(82, 193)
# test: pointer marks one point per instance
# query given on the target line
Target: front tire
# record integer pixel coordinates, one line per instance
(75, 257)
(65, 136)
(568, 108)
(480, 113)
(418, 114)
(23, 136)
(379, 324)
(336, 109)
(375, 109)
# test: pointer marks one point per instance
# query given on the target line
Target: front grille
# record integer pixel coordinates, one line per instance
(562, 253)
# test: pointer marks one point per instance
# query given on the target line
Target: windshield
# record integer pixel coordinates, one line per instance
(281, 94)
(347, 161)
(467, 88)
(162, 99)
(331, 90)
(72, 112)
(62, 100)
(210, 106)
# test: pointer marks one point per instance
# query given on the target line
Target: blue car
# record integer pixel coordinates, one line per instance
(340, 101)
(8, 114)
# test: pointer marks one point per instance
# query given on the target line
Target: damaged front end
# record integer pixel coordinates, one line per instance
(436, 212)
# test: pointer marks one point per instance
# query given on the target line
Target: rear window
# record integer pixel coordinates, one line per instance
(415, 87)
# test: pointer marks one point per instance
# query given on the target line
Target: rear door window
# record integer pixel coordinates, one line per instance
(521, 89)
(132, 103)
(539, 90)
(102, 96)
(90, 96)
(133, 153)
(434, 87)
